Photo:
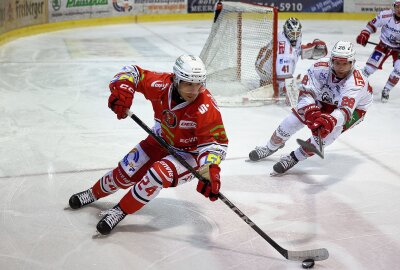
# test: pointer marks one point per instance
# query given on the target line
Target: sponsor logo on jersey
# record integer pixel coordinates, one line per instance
(281, 47)
(376, 56)
(189, 140)
(158, 84)
(323, 76)
(203, 108)
(321, 64)
(187, 124)
(358, 79)
(169, 118)
(134, 157)
(168, 169)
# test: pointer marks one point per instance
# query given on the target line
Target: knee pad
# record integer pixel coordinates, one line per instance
(164, 173)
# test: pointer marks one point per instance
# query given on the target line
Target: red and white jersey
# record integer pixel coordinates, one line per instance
(286, 58)
(194, 127)
(390, 32)
(339, 97)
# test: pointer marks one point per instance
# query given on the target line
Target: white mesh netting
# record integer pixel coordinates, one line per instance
(231, 51)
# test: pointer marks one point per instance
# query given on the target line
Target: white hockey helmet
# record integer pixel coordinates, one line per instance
(396, 2)
(189, 68)
(292, 29)
(344, 51)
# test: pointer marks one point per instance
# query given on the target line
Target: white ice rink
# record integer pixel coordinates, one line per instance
(58, 136)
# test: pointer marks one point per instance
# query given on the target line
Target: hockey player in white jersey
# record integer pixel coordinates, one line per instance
(289, 49)
(389, 45)
(334, 97)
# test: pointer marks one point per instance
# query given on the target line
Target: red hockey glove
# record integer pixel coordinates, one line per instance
(210, 189)
(324, 123)
(311, 112)
(121, 97)
(363, 37)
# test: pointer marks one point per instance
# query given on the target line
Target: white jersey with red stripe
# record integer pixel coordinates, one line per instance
(286, 59)
(339, 97)
(390, 32)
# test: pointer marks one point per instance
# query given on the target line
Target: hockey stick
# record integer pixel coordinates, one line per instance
(311, 148)
(372, 43)
(315, 254)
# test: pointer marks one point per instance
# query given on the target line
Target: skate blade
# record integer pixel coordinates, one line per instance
(275, 174)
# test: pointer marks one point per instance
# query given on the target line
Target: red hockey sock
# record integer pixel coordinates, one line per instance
(98, 192)
(129, 204)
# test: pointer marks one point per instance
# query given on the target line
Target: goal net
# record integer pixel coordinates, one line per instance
(231, 51)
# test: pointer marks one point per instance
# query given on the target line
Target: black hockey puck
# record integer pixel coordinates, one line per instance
(308, 263)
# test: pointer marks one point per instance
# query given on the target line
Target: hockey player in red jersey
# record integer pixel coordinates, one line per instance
(389, 45)
(334, 97)
(186, 117)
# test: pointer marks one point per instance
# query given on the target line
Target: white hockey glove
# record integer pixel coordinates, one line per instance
(315, 50)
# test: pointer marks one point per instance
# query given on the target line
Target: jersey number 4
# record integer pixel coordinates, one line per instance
(285, 69)
(149, 190)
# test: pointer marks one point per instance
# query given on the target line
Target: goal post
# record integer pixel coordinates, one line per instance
(230, 54)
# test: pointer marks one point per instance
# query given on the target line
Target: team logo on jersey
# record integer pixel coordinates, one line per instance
(187, 124)
(326, 98)
(169, 118)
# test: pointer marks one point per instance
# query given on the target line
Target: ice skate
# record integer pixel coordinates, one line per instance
(385, 96)
(111, 218)
(286, 163)
(81, 199)
(261, 152)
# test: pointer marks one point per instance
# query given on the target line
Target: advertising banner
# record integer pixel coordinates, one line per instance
(362, 6)
(157, 6)
(283, 6)
(65, 10)
(19, 13)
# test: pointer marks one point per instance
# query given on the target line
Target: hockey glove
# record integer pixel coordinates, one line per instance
(363, 37)
(121, 97)
(324, 123)
(210, 189)
(311, 112)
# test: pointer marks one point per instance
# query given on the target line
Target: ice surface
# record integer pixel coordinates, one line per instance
(58, 136)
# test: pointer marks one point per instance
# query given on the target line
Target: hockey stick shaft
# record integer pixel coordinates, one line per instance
(320, 143)
(317, 255)
(372, 43)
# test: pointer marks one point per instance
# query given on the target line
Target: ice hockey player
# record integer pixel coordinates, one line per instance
(389, 45)
(289, 49)
(187, 118)
(334, 97)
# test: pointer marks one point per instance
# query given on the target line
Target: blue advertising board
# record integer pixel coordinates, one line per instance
(283, 6)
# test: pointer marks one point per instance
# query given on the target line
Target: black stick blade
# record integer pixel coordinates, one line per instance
(310, 147)
(315, 254)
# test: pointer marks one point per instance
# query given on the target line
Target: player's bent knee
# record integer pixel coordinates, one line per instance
(163, 172)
